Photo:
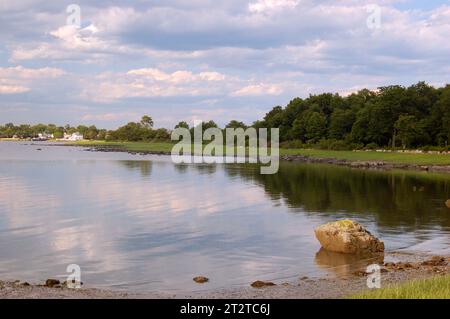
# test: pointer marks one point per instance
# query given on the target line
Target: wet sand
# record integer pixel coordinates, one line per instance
(407, 267)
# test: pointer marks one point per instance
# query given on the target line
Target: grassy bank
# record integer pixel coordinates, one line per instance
(396, 158)
(434, 288)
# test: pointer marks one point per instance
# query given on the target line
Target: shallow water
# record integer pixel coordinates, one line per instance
(143, 223)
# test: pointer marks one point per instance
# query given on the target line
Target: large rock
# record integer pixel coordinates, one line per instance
(349, 237)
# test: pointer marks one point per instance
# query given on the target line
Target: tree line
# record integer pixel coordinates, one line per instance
(391, 116)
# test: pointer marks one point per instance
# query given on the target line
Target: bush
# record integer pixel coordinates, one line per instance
(293, 144)
(372, 146)
(334, 145)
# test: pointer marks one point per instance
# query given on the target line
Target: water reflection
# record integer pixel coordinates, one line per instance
(410, 200)
(345, 264)
(145, 167)
(149, 224)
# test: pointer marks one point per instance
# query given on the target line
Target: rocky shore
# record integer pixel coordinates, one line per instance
(381, 165)
(374, 165)
(405, 267)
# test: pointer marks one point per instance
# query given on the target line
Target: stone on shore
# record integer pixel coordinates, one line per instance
(349, 237)
(201, 279)
(262, 284)
(52, 283)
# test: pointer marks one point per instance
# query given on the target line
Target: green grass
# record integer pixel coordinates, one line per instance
(433, 288)
(395, 158)
(131, 146)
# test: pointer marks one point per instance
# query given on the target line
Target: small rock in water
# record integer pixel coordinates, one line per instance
(262, 284)
(347, 236)
(447, 203)
(52, 283)
(201, 279)
(304, 278)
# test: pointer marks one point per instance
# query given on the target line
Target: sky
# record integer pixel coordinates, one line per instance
(207, 59)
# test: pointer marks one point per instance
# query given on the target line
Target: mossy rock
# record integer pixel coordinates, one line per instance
(347, 236)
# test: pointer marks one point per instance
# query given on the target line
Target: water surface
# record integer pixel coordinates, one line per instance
(143, 223)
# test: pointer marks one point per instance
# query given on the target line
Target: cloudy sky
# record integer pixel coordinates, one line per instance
(207, 59)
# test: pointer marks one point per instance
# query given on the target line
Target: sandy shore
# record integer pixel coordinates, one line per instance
(407, 267)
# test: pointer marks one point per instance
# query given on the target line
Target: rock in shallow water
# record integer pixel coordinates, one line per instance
(200, 279)
(262, 284)
(349, 237)
(52, 283)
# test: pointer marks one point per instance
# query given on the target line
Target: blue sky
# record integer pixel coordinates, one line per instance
(207, 59)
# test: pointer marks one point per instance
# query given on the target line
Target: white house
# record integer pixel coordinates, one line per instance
(45, 136)
(73, 137)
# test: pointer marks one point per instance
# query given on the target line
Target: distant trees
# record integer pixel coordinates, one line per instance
(408, 130)
(182, 124)
(141, 131)
(391, 116)
(147, 121)
(236, 124)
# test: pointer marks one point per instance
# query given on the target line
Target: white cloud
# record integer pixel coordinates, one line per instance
(20, 72)
(12, 89)
(152, 82)
(260, 89)
(15, 80)
(266, 5)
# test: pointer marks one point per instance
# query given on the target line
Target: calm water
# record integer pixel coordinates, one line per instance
(143, 223)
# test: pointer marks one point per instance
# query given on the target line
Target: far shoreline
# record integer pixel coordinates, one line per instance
(362, 159)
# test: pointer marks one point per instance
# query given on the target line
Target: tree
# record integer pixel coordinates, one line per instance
(298, 131)
(182, 124)
(102, 134)
(407, 129)
(91, 133)
(236, 124)
(147, 121)
(341, 123)
(59, 132)
(274, 118)
(82, 129)
(315, 127)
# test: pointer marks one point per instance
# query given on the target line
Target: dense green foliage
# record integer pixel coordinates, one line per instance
(393, 116)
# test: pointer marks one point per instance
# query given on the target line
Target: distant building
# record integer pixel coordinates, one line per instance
(43, 137)
(73, 137)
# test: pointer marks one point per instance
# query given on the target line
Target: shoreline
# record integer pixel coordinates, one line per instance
(367, 164)
(439, 163)
(408, 267)
(380, 165)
